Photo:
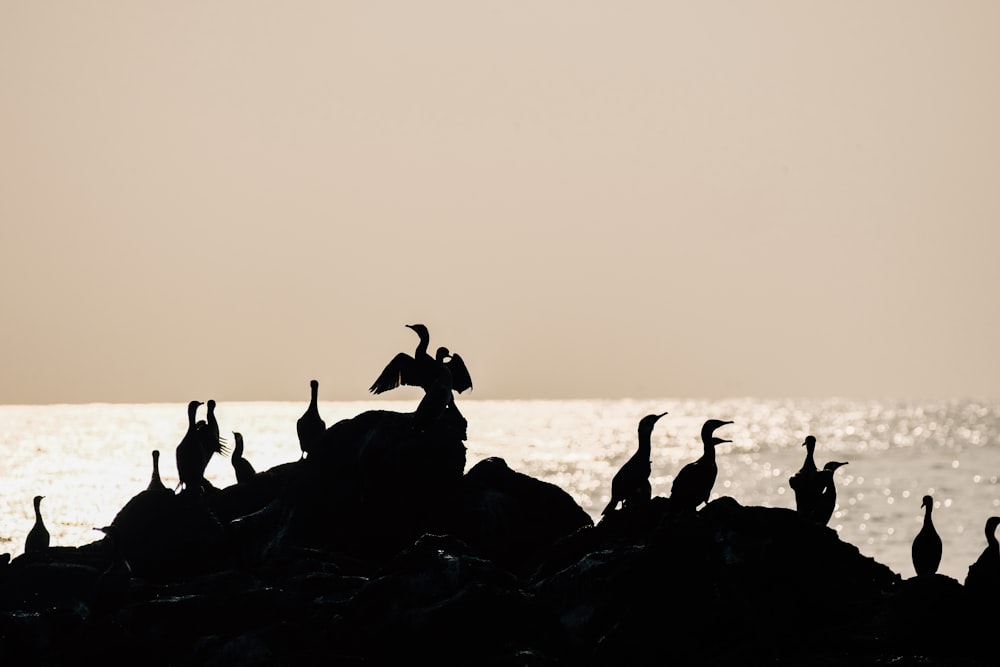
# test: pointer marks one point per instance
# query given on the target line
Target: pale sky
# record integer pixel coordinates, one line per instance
(584, 199)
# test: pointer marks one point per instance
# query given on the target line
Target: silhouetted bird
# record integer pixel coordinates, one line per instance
(244, 471)
(984, 574)
(211, 440)
(420, 370)
(926, 549)
(631, 483)
(38, 536)
(437, 398)
(155, 483)
(826, 500)
(310, 426)
(190, 454)
(693, 484)
(806, 482)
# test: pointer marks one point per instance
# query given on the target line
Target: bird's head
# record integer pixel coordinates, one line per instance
(420, 329)
(646, 423)
(927, 502)
(809, 443)
(833, 465)
(313, 384)
(708, 431)
(442, 354)
(238, 437)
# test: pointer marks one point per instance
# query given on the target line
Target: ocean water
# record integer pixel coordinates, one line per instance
(89, 460)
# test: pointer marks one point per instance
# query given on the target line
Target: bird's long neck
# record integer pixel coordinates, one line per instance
(708, 452)
(156, 464)
(644, 450)
(314, 398)
(238, 449)
(422, 345)
(192, 413)
(810, 462)
(991, 538)
(927, 515)
(38, 509)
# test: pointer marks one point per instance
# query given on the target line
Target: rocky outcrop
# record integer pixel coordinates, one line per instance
(378, 548)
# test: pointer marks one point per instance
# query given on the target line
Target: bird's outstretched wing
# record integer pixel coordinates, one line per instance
(397, 372)
(460, 378)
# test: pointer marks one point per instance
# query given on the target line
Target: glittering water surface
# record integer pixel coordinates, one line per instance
(88, 460)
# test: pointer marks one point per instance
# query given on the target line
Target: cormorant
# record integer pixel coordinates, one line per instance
(38, 536)
(631, 483)
(420, 370)
(244, 471)
(926, 549)
(693, 484)
(310, 426)
(211, 440)
(806, 483)
(190, 455)
(155, 483)
(826, 500)
(984, 574)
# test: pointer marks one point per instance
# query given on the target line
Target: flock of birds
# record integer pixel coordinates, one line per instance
(813, 487)
(815, 498)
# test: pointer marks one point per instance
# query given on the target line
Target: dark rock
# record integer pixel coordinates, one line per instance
(377, 549)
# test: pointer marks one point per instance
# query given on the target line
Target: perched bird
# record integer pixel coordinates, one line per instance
(310, 426)
(420, 370)
(826, 499)
(38, 536)
(211, 440)
(631, 483)
(436, 400)
(806, 482)
(244, 470)
(693, 484)
(984, 574)
(926, 548)
(155, 483)
(190, 455)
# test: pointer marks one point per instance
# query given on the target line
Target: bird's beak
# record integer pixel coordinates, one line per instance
(664, 414)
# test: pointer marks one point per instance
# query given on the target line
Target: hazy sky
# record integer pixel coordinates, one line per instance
(583, 199)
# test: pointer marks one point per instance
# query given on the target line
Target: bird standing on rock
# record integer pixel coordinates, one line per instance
(826, 499)
(243, 468)
(693, 484)
(926, 548)
(631, 483)
(310, 427)
(984, 574)
(806, 482)
(421, 370)
(190, 455)
(155, 483)
(38, 536)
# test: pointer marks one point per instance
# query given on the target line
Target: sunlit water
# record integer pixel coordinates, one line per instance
(89, 460)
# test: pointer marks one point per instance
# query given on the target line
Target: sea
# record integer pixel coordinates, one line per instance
(88, 460)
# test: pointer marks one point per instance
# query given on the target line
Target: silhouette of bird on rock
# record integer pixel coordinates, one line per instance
(421, 370)
(155, 483)
(310, 426)
(926, 548)
(693, 484)
(631, 483)
(38, 536)
(806, 483)
(190, 454)
(243, 468)
(826, 499)
(984, 574)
